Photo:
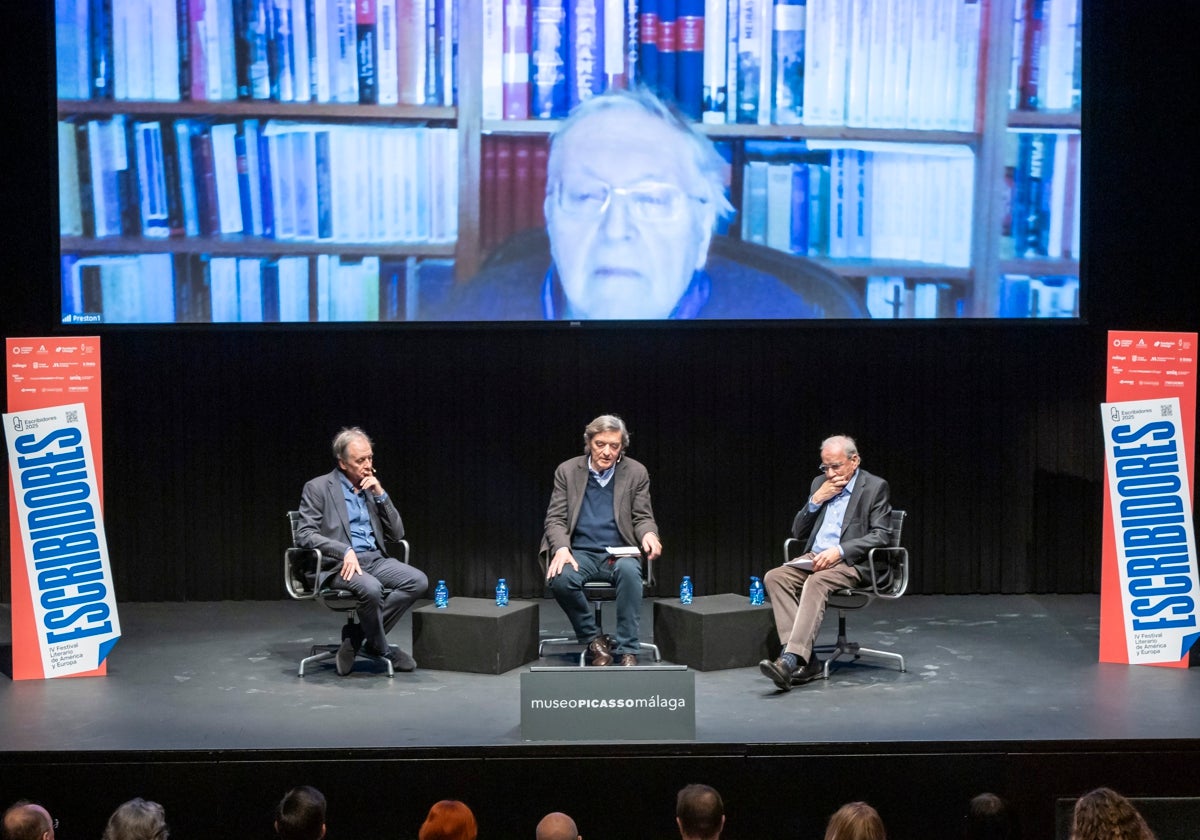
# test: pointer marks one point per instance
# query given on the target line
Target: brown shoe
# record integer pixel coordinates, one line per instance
(599, 648)
(628, 659)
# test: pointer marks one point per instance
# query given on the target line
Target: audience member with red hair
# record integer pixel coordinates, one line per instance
(449, 820)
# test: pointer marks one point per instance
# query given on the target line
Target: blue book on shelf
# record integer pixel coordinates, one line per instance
(243, 179)
(254, 33)
(72, 46)
(152, 179)
(585, 33)
(800, 209)
(647, 56)
(689, 57)
(100, 37)
(1031, 194)
(270, 291)
(266, 197)
(324, 185)
(668, 71)
(548, 60)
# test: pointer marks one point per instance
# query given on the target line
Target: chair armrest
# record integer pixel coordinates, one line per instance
(897, 560)
(787, 544)
(298, 565)
(399, 549)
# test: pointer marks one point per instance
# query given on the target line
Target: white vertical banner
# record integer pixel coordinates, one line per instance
(62, 536)
(1151, 508)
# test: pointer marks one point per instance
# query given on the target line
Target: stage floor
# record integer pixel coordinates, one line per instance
(222, 676)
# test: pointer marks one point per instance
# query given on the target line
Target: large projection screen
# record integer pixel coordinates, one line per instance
(309, 161)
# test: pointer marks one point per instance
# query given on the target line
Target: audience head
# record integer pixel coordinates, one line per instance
(449, 820)
(301, 814)
(557, 826)
(1104, 814)
(855, 821)
(988, 818)
(24, 820)
(137, 819)
(632, 195)
(699, 812)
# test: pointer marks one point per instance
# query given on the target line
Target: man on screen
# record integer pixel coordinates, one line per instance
(347, 516)
(633, 193)
(601, 499)
(847, 514)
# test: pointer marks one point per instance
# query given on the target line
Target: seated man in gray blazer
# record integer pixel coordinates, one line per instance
(848, 513)
(347, 515)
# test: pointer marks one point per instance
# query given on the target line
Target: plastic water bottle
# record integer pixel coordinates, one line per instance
(501, 593)
(685, 590)
(756, 591)
(441, 595)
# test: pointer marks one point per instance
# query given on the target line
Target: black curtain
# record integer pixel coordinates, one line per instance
(988, 433)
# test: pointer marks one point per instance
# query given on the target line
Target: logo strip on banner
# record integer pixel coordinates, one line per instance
(57, 499)
(1155, 541)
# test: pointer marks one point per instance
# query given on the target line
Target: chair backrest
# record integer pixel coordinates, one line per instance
(897, 527)
(893, 582)
(299, 564)
(294, 522)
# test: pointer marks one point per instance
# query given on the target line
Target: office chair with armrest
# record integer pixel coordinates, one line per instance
(300, 568)
(598, 593)
(889, 580)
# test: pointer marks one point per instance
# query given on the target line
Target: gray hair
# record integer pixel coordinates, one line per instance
(605, 423)
(845, 442)
(345, 437)
(703, 154)
(137, 819)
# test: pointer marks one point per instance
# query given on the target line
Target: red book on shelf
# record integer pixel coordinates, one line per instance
(204, 165)
(487, 192)
(197, 74)
(500, 210)
(516, 59)
(522, 209)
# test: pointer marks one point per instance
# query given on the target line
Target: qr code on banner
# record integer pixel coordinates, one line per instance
(1166, 410)
(72, 416)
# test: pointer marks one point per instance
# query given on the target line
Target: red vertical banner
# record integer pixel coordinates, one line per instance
(1147, 366)
(45, 373)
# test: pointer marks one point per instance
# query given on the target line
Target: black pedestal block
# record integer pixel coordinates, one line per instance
(474, 635)
(715, 632)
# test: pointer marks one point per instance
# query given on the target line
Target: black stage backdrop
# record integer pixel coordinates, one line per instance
(988, 432)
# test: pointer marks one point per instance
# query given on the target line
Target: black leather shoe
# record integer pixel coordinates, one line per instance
(344, 659)
(814, 670)
(628, 659)
(600, 649)
(778, 672)
(401, 660)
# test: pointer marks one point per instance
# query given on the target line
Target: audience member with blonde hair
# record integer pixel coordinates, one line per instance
(1104, 814)
(449, 820)
(855, 821)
